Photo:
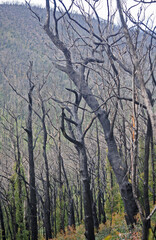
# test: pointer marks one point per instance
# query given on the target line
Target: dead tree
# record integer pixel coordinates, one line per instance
(29, 130)
(47, 209)
(71, 215)
(2, 223)
(137, 67)
(79, 143)
(77, 76)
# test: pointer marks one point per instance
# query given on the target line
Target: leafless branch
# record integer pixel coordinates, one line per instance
(34, 13)
(151, 214)
(64, 132)
(89, 126)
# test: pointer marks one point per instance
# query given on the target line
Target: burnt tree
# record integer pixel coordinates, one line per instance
(79, 143)
(29, 130)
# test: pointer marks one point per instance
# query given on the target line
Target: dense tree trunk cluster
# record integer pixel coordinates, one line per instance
(85, 150)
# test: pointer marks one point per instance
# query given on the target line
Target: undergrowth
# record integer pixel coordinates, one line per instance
(114, 229)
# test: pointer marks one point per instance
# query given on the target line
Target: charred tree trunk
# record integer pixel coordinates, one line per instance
(153, 169)
(103, 193)
(13, 211)
(103, 210)
(80, 147)
(52, 210)
(19, 182)
(33, 201)
(94, 211)
(8, 222)
(2, 223)
(78, 78)
(146, 223)
(98, 175)
(55, 228)
(47, 184)
(81, 204)
(62, 229)
(71, 215)
(89, 224)
(27, 211)
(78, 204)
(95, 219)
(136, 63)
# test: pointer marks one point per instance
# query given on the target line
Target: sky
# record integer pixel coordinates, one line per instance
(101, 7)
(34, 2)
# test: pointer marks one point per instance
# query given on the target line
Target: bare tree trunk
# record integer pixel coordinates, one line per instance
(146, 223)
(62, 229)
(103, 193)
(79, 80)
(71, 218)
(33, 201)
(101, 210)
(134, 159)
(13, 211)
(52, 210)
(71, 215)
(27, 211)
(138, 72)
(80, 147)
(94, 211)
(8, 225)
(98, 175)
(55, 229)
(153, 168)
(89, 225)
(2, 223)
(19, 182)
(81, 204)
(47, 209)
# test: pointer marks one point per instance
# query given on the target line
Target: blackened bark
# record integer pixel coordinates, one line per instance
(47, 184)
(87, 202)
(55, 209)
(13, 211)
(27, 217)
(18, 170)
(62, 229)
(71, 217)
(99, 206)
(118, 166)
(52, 210)
(102, 193)
(98, 175)
(78, 78)
(77, 204)
(81, 204)
(145, 228)
(80, 147)
(153, 168)
(33, 201)
(2, 223)
(129, 203)
(27, 211)
(103, 210)
(146, 223)
(95, 219)
(124, 141)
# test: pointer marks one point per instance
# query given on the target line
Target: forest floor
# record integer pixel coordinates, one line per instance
(114, 229)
